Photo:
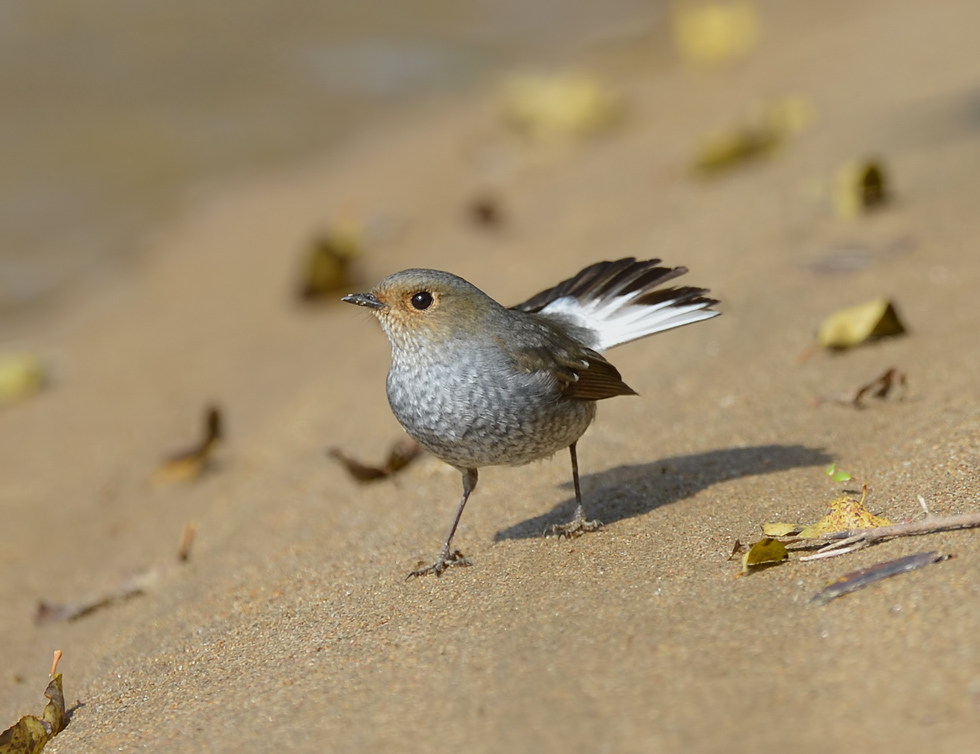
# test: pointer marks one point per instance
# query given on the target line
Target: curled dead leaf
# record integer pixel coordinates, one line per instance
(860, 187)
(891, 382)
(30, 734)
(765, 552)
(759, 136)
(326, 268)
(401, 454)
(188, 465)
(855, 325)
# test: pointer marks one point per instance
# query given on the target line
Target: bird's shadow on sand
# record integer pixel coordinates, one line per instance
(627, 491)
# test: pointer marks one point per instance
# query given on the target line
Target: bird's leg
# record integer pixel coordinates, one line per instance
(578, 525)
(449, 557)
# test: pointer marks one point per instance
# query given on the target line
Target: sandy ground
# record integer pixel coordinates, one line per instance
(292, 626)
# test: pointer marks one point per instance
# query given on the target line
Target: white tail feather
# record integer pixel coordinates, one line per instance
(615, 321)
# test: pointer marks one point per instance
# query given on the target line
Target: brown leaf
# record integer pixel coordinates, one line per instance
(737, 549)
(402, 453)
(881, 386)
(485, 211)
(30, 734)
(891, 381)
(190, 464)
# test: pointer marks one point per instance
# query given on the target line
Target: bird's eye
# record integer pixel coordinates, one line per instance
(422, 300)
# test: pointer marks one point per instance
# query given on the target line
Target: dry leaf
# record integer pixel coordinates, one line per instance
(782, 530)
(715, 32)
(21, 375)
(139, 583)
(30, 734)
(737, 549)
(188, 465)
(860, 187)
(855, 580)
(845, 515)
(553, 107)
(760, 136)
(325, 271)
(890, 381)
(880, 387)
(851, 327)
(402, 453)
(485, 211)
(766, 551)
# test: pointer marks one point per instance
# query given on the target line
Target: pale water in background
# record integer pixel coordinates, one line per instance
(111, 109)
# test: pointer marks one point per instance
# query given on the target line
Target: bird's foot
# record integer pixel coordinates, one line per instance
(574, 528)
(446, 560)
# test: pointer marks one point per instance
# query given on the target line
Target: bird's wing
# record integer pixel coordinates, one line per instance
(581, 374)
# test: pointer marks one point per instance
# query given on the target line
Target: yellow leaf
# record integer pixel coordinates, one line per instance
(852, 326)
(845, 515)
(559, 105)
(21, 375)
(28, 736)
(759, 136)
(715, 32)
(54, 710)
(781, 530)
(30, 733)
(859, 187)
(762, 552)
(326, 267)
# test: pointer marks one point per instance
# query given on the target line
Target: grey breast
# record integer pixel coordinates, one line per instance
(472, 408)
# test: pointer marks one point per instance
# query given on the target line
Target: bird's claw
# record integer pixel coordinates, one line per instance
(574, 528)
(446, 560)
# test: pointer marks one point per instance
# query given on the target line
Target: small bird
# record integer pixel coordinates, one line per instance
(478, 384)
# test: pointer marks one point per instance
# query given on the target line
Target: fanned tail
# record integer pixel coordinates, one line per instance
(622, 301)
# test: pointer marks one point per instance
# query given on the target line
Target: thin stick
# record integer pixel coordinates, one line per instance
(826, 552)
(909, 529)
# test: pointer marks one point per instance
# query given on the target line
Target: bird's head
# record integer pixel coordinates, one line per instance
(420, 307)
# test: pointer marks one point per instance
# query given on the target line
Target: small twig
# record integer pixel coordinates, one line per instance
(186, 540)
(908, 529)
(922, 502)
(838, 549)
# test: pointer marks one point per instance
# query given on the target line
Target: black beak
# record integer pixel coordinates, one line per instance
(363, 299)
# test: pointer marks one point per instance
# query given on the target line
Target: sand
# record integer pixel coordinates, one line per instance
(292, 627)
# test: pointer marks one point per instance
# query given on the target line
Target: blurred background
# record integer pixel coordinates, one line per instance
(113, 111)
